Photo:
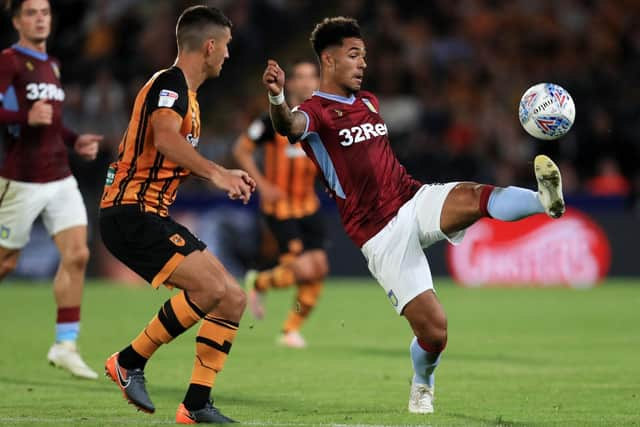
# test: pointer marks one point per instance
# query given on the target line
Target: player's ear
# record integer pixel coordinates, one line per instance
(327, 58)
(209, 46)
(15, 22)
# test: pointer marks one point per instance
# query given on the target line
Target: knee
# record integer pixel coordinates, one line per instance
(209, 289)
(236, 297)
(318, 266)
(433, 334)
(469, 193)
(435, 340)
(76, 257)
(233, 304)
(322, 269)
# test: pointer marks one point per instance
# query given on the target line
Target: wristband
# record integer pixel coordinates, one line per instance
(278, 99)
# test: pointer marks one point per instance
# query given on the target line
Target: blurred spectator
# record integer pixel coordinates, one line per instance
(104, 107)
(609, 181)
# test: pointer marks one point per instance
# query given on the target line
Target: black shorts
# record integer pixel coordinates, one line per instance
(298, 234)
(149, 244)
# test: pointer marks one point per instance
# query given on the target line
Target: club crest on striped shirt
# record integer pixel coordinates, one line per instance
(177, 240)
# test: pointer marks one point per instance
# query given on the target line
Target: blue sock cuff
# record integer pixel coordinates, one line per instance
(67, 331)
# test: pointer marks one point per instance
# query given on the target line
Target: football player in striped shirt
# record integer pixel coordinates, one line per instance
(158, 151)
(290, 209)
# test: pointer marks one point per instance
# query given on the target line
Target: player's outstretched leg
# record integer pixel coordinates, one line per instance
(514, 203)
(464, 204)
(467, 202)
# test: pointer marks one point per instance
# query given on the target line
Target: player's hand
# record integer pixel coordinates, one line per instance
(87, 145)
(40, 114)
(273, 77)
(237, 183)
(270, 193)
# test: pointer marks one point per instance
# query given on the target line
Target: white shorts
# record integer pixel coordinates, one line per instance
(59, 202)
(395, 255)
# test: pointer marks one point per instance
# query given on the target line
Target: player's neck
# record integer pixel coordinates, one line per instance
(294, 99)
(192, 71)
(327, 86)
(36, 46)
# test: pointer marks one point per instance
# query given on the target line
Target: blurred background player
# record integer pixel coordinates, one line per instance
(35, 178)
(388, 214)
(157, 152)
(290, 208)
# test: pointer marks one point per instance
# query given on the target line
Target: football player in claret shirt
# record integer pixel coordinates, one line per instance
(386, 212)
(290, 209)
(158, 151)
(35, 178)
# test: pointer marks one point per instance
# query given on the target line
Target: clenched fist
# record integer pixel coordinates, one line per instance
(273, 77)
(40, 114)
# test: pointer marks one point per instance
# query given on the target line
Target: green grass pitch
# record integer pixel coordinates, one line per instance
(516, 357)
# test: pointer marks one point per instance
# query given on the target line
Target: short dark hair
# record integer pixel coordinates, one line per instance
(331, 32)
(13, 6)
(192, 23)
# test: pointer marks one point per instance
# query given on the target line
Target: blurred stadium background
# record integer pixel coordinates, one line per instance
(449, 75)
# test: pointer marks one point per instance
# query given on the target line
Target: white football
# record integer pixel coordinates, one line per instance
(546, 111)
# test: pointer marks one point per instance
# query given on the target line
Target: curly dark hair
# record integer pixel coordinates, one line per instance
(331, 32)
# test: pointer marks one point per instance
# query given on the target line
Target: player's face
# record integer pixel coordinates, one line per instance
(33, 22)
(217, 51)
(349, 64)
(303, 81)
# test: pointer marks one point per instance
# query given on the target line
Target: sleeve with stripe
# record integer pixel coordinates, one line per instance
(7, 73)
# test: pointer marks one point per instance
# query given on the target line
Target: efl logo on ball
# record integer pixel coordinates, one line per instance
(546, 111)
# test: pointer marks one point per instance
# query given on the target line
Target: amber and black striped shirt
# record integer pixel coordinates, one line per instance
(286, 166)
(143, 176)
